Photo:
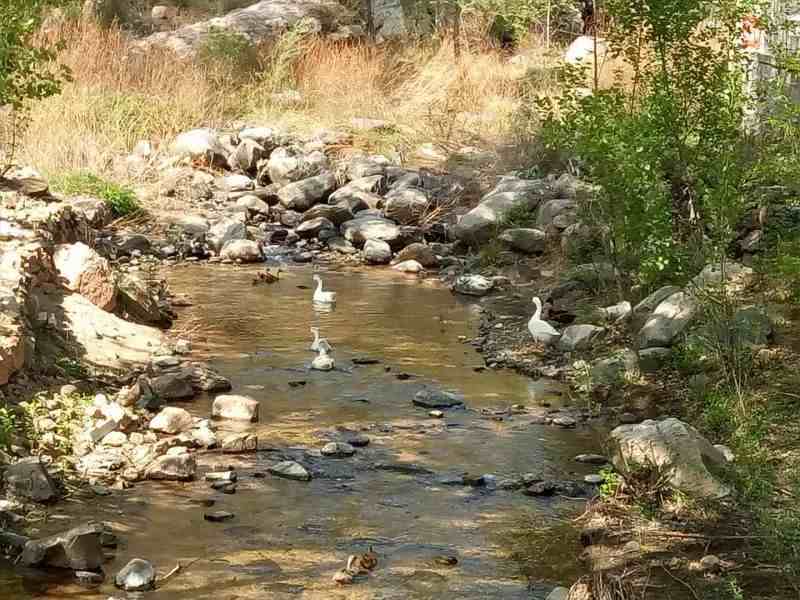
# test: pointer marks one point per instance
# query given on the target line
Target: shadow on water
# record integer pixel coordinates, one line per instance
(288, 538)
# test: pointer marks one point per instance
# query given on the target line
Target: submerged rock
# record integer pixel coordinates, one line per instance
(337, 450)
(137, 576)
(172, 468)
(433, 398)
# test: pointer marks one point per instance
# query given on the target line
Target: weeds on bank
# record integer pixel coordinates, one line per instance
(120, 199)
(53, 422)
(7, 427)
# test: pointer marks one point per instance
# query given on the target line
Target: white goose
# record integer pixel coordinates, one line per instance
(314, 347)
(321, 296)
(541, 331)
(323, 361)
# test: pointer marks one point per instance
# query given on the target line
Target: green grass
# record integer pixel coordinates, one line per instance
(519, 216)
(7, 427)
(121, 199)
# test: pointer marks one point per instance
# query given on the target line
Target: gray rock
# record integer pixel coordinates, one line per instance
(359, 230)
(372, 184)
(473, 285)
(239, 443)
(94, 211)
(334, 213)
(27, 479)
(290, 469)
(433, 398)
(192, 225)
(338, 450)
(314, 227)
(735, 277)
(226, 231)
(253, 204)
(246, 251)
(579, 337)
(409, 266)
(669, 319)
(341, 245)
(356, 201)
(529, 241)
(172, 468)
(480, 223)
(78, 549)
(654, 359)
(551, 209)
(421, 253)
(235, 183)
(234, 407)
(367, 166)
(565, 422)
(614, 369)
(751, 327)
(593, 276)
(137, 576)
(675, 450)
(174, 385)
(405, 206)
(291, 218)
(246, 156)
(263, 136)
(172, 420)
(199, 143)
(136, 299)
(289, 164)
(377, 252)
(591, 459)
(218, 516)
(617, 312)
(302, 195)
(643, 310)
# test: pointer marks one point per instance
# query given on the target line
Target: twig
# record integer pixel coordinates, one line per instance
(681, 581)
(175, 570)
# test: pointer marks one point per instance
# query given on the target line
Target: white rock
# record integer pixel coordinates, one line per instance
(242, 250)
(409, 266)
(172, 420)
(238, 408)
(377, 252)
(473, 285)
(86, 272)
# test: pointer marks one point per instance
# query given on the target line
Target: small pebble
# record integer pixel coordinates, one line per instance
(436, 414)
(594, 479)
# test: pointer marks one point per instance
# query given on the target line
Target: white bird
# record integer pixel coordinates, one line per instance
(323, 361)
(541, 331)
(315, 344)
(321, 296)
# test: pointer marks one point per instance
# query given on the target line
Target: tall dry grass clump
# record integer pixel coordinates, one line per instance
(119, 97)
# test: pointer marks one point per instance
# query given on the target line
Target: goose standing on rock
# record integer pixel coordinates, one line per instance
(323, 361)
(321, 296)
(541, 330)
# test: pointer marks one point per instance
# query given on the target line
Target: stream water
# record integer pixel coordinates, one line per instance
(288, 538)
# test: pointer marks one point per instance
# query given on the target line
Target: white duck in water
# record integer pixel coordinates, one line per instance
(541, 331)
(321, 296)
(323, 361)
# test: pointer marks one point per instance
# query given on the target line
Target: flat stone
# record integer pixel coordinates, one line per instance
(27, 479)
(290, 469)
(591, 459)
(594, 479)
(565, 422)
(433, 398)
(218, 516)
(226, 476)
(240, 442)
(235, 407)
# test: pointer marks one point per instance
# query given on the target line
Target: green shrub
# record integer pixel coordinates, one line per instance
(518, 216)
(7, 427)
(121, 199)
(68, 417)
(228, 54)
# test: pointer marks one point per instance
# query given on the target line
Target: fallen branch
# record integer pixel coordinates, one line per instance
(160, 581)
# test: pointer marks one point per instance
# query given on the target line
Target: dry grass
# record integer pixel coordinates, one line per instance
(119, 98)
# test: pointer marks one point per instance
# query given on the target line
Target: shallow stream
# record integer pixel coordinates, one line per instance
(288, 538)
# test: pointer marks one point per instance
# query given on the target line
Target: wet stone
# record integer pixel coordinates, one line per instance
(337, 450)
(242, 442)
(225, 476)
(359, 440)
(218, 516)
(89, 577)
(290, 469)
(433, 398)
(565, 422)
(594, 479)
(137, 576)
(591, 459)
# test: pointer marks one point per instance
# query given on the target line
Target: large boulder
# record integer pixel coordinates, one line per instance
(136, 300)
(367, 166)
(670, 318)
(302, 195)
(361, 229)
(86, 272)
(421, 253)
(246, 251)
(180, 467)
(172, 420)
(288, 164)
(643, 310)
(79, 549)
(336, 214)
(377, 252)
(234, 407)
(579, 337)
(405, 206)
(28, 480)
(675, 450)
(527, 240)
(200, 143)
(258, 23)
(313, 227)
(551, 209)
(479, 224)
(226, 231)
